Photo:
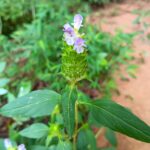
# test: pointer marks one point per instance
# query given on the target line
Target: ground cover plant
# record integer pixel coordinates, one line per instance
(71, 115)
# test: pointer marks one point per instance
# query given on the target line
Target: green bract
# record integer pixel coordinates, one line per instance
(74, 65)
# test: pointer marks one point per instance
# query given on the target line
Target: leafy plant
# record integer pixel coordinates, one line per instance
(68, 126)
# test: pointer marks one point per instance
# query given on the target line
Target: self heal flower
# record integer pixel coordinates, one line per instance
(68, 29)
(79, 45)
(21, 147)
(69, 34)
(77, 21)
(7, 143)
(72, 35)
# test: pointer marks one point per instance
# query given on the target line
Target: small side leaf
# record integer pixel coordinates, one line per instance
(86, 140)
(111, 137)
(35, 131)
(64, 146)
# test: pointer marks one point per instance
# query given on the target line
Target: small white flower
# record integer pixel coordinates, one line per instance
(21, 147)
(7, 143)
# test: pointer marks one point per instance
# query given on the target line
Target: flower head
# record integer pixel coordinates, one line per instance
(21, 147)
(72, 36)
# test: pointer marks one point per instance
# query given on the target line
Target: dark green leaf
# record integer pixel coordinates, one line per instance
(119, 119)
(69, 97)
(35, 104)
(35, 131)
(39, 147)
(64, 146)
(86, 140)
(111, 137)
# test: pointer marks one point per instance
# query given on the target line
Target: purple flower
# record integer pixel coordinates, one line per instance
(72, 36)
(69, 34)
(77, 21)
(7, 143)
(21, 147)
(68, 29)
(79, 45)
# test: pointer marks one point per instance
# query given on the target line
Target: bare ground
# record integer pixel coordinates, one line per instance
(121, 16)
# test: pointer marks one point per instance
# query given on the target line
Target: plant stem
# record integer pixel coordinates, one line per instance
(76, 126)
(98, 133)
(1, 25)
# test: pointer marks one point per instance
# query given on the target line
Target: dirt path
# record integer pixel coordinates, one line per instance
(120, 16)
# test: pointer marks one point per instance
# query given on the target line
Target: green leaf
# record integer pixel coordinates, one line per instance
(38, 147)
(111, 137)
(64, 146)
(3, 82)
(92, 121)
(2, 66)
(69, 97)
(86, 140)
(35, 131)
(119, 119)
(36, 104)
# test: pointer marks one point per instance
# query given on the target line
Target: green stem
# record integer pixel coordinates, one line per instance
(98, 133)
(76, 126)
(1, 25)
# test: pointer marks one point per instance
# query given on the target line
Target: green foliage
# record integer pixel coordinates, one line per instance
(36, 46)
(29, 105)
(86, 140)
(36, 131)
(64, 146)
(11, 9)
(111, 137)
(105, 54)
(119, 119)
(69, 98)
